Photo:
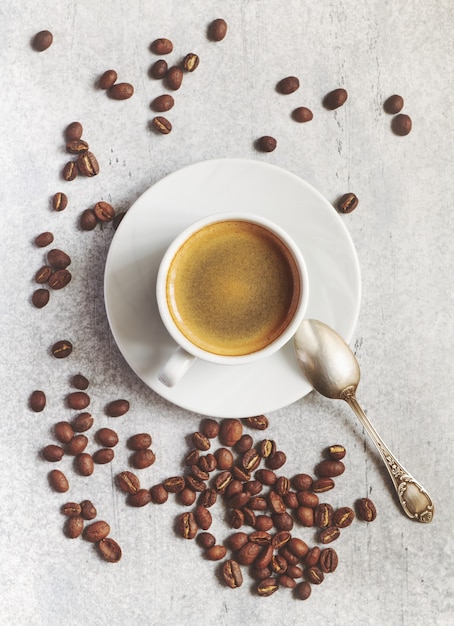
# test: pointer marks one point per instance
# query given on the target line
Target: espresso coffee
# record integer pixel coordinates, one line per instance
(233, 288)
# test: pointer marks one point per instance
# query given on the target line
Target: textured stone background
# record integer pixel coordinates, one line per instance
(391, 572)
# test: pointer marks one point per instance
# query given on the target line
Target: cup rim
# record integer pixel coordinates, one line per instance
(161, 296)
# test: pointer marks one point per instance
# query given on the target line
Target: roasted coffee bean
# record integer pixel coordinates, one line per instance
(42, 40)
(192, 457)
(58, 481)
(280, 539)
(266, 143)
(207, 463)
(43, 274)
(323, 515)
(80, 382)
(298, 547)
(107, 437)
(261, 573)
(239, 473)
(97, 531)
(248, 553)
(88, 510)
(322, 484)
(253, 487)
(302, 115)
(121, 91)
(343, 517)
(142, 458)
(161, 124)
(108, 79)
(44, 239)
(174, 484)
(258, 422)
(70, 171)
(71, 509)
(307, 498)
(109, 550)
(222, 480)
(334, 99)
(330, 468)
(174, 78)
(158, 494)
(294, 571)
(232, 575)
(88, 220)
(209, 427)
(40, 298)
(347, 203)
(201, 442)
(103, 456)
(87, 163)
(305, 516)
(257, 503)
(401, 124)
(250, 460)
(163, 103)
(73, 131)
(191, 62)
(236, 518)
(208, 497)
(78, 400)
(288, 85)
(328, 560)
(187, 526)
(235, 487)
(302, 482)
(187, 496)
(58, 259)
(278, 564)
(206, 540)
(195, 483)
(237, 540)
(59, 279)
(267, 448)
(59, 201)
(266, 477)
(239, 500)
(249, 516)
(74, 527)
(329, 534)
(276, 502)
(199, 473)
(276, 461)
(244, 444)
(141, 441)
(104, 211)
(128, 482)
(82, 422)
(291, 500)
(286, 581)
(140, 498)
(291, 558)
(394, 104)
(76, 445)
(315, 575)
(224, 458)
(336, 452)
(84, 464)
(263, 523)
(267, 587)
(203, 517)
(217, 29)
(159, 69)
(63, 431)
(366, 510)
(264, 558)
(62, 349)
(312, 556)
(117, 408)
(53, 453)
(282, 521)
(303, 590)
(161, 46)
(76, 146)
(230, 431)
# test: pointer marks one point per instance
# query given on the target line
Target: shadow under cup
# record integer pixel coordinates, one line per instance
(232, 288)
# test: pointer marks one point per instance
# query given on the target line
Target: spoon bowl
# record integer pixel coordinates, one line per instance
(331, 368)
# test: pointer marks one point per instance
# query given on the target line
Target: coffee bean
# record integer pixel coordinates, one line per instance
(203, 517)
(192, 458)
(401, 124)
(258, 503)
(121, 91)
(104, 211)
(58, 259)
(347, 203)
(276, 461)
(343, 517)
(187, 496)
(312, 556)
(302, 115)
(199, 473)
(140, 498)
(222, 481)
(248, 553)
(267, 448)
(302, 482)
(291, 500)
(315, 575)
(267, 587)
(79, 382)
(260, 574)
(298, 547)
(236, 519)
(88, 220)
(88, 510)
(305, 516)
(303, 590)
(261, 537)
(108, 79)
(209, 427)
(174, 77)
(294, 571)
(163, 103)
(107, 437)
(59, 279)
(42, 40)
(70, 171)
(128, 482)
(161, 125)
(187, 526)
(329, 534)
(224, 458)
(195, 483)
(244, 444)
(323, 515)
(239, 500)
(266, 143)
(200, 441)
(59, 201)
(206, 540)
(159, 69)
(208, 497)
(40, 297)
(117, 408)
(74, 527)
(249, 516)
(73, 131)
(328, 560)
(62, 349)
(286, 581)
(191, 62)
(266, 477)
(307, 498)
(44, 239)
(288, 85)
(366, 510)
(278, 564)
(97, 531)
(282, 485)
(76, 146)
(43, 274)
(76, 445)
(280, 539)
(207, 463)
(282, 521)
(143, 458)
(330, 468)
(84, 464)
(161, 46)
(82, 422)
(53, 453)
(237, 540)
(174, 484)
(37, 401)
(216, 553)
(78, 400)
(71, 509)
(337, 452)
(322, 484)
(63, 432)
(87, 164)
(217, 30)
(141, 441)
(394, 104)
(230, 431)
(158, 494)
(58, 481)
(263, 522)
(109, 550)
(334, 99)
(258, 422)
(232, 575)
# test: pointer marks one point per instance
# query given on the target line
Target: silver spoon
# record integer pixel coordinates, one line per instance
(332, 369)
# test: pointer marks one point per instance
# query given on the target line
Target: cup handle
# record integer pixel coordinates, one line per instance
(176, 367)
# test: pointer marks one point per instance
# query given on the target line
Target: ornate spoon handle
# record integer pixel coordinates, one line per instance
(414, 499)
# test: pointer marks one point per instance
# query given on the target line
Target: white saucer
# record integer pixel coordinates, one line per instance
(171, 205)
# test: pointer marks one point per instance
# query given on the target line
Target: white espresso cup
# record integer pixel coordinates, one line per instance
(231, 289)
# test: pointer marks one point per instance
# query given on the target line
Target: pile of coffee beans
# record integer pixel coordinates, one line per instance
(86, 164)
(401, 123)
(116, 91)
(54, 272)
